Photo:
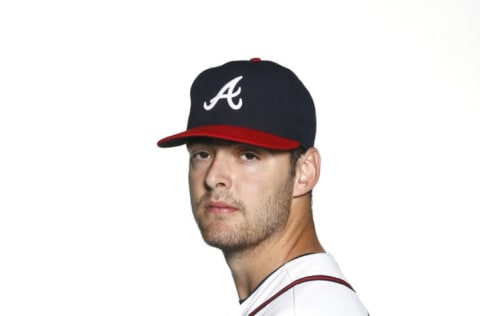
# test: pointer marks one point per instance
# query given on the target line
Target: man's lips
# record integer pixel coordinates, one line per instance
(220, 207)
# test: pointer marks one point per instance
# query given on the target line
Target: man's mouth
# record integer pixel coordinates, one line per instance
(220, 207)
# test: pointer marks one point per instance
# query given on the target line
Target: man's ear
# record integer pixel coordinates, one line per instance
(307, 173)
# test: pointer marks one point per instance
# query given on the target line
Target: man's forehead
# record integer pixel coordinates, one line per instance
(212, 141)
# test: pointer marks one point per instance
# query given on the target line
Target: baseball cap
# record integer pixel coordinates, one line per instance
(256, 102)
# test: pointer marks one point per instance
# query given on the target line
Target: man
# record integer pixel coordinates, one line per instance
(253, 165)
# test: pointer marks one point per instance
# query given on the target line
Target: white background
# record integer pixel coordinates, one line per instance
(95, 219)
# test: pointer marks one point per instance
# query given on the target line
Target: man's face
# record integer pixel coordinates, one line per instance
(240, 194)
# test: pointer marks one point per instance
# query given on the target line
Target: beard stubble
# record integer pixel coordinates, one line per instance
(252, 228)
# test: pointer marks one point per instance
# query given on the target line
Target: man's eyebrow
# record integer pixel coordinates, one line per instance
(224, 142)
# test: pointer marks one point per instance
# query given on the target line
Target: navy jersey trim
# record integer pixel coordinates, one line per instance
(299, 281)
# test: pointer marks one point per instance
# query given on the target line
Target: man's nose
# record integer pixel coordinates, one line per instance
(219, 174)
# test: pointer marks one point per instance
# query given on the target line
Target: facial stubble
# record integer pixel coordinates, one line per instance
(251, 229)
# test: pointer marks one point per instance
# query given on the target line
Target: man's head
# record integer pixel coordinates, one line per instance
(250, 136)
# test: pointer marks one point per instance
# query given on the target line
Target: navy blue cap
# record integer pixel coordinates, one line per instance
(256, 102)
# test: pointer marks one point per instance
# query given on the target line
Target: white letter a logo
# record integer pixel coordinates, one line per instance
(226, 93)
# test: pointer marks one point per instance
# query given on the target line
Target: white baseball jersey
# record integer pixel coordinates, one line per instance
(310, 285)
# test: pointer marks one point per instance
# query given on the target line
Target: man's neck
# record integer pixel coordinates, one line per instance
(251, 266)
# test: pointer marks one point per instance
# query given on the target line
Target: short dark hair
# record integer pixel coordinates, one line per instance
(295, 154)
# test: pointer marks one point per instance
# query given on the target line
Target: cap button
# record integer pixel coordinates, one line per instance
(255, 59)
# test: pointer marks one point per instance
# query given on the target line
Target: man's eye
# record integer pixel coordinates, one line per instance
(200, 155)
(249, 156)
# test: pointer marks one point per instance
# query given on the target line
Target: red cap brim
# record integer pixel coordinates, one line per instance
(232, 133)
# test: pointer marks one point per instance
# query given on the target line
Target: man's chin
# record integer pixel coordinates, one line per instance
(222, 236)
